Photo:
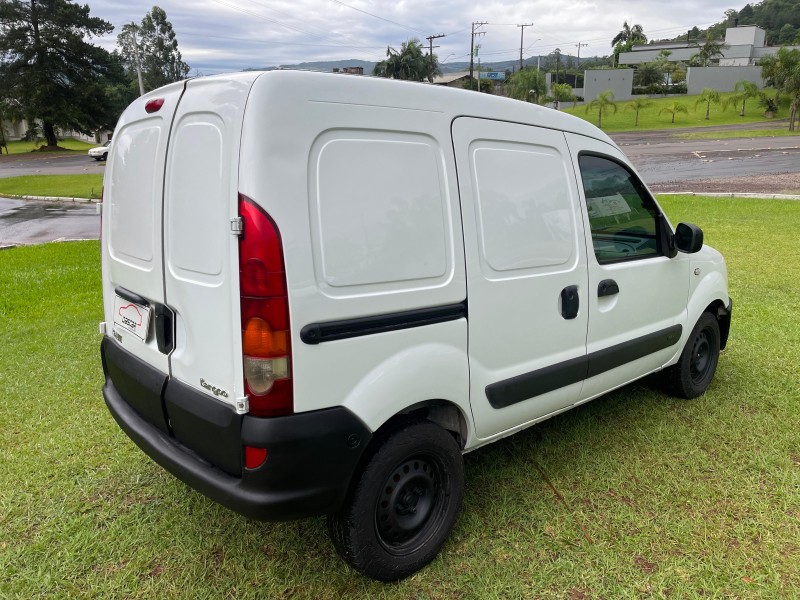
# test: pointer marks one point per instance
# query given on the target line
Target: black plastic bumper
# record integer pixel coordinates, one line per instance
(311, 456)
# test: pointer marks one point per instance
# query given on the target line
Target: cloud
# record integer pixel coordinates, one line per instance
(230, 35)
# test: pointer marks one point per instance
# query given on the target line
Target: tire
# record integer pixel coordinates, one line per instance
(404, 504)
(692, 374)
(104, 157)
(97, 158)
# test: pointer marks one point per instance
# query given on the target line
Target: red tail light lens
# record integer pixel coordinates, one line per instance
(266, 339)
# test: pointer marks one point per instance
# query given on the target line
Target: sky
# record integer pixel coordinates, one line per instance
(218, 36)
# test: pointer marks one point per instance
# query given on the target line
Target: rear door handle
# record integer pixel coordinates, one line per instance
(607, 287)
(570, 302)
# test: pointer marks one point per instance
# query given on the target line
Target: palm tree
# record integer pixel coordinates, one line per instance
(673, 109)
(409, 63)
(783, 71)
(527, 85)
(603, 103)
(560, 92)
(629, 34)
(710, 50)
(745, 90)
(636, 105)
(707, 96)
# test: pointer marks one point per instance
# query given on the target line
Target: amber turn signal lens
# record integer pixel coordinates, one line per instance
(260, 340)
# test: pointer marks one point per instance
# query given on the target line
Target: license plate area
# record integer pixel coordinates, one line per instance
(132, 317)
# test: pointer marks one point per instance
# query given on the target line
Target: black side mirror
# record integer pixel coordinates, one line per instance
(688, 238)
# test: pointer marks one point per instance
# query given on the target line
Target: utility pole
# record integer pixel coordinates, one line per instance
(430, 39)
(136, 56)
(579, 44)
(521, 36)
(472, 48)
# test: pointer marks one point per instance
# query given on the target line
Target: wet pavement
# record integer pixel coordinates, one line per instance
(42, 163)
(24, 222)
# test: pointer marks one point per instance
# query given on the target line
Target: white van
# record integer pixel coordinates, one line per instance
(321, 290)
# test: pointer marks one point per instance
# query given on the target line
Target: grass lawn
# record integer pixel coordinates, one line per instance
(658, 497)
(19, 147)
(65, 186)
(739, 133)
(650, 117)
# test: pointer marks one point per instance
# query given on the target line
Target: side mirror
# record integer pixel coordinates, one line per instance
(688, 238)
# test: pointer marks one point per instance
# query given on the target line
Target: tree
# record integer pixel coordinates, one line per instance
(527, 85)
(710, 50)
(603, 103)
(708, 96)
(782, 70)
(673, 109)
(46, 65)
(155, 48)
(487, 85)
(744, 90)
(649, 73)
(629, 34)
(409, 63)
(636, 105)
(560, 92)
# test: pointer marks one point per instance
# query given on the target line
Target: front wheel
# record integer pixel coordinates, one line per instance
(403, 507)
(692, 374)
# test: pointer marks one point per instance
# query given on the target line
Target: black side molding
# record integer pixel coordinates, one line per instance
(529, 385)
(314, 333)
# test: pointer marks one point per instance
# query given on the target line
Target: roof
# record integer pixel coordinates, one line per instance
(450, 77)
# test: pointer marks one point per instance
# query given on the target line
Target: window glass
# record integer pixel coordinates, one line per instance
(525, 208)
(622, 217)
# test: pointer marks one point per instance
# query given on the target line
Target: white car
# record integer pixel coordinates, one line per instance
(101, 152)
(319, 291)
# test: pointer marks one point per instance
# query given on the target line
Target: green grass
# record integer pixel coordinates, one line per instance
(738, 133)
(20, 147)
(649, 118)
(661, 497)
(65, 186)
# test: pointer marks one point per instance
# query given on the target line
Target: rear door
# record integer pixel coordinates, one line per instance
(132, 203)
(527, 272)
(201, 269)
(171, 255)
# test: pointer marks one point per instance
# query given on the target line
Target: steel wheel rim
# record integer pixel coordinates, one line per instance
(411, 505)
(700, 363)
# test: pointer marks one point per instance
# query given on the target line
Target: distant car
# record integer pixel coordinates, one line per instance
(101, 152)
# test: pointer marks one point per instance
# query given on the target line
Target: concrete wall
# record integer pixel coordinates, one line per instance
(619, 81)
(722, 79)
(745, 35)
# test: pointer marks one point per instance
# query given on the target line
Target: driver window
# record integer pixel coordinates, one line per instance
(622, 216)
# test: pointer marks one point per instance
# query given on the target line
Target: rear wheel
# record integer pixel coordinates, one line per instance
(403, 507)
(692, 374)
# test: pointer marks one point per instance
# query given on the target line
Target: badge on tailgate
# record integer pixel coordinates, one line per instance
(132, 317)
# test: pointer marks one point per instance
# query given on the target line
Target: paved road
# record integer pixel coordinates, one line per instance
(24, 222)
(41, 163)
(663, 161)
(660, 159)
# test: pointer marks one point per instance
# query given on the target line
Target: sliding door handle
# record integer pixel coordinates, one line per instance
(607, 287)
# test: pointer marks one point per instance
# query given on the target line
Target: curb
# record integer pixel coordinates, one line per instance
(52, 199)
(733, 195)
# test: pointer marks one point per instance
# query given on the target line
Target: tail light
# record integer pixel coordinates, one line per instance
(266, 340)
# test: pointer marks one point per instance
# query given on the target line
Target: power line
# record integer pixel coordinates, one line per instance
(377, 17)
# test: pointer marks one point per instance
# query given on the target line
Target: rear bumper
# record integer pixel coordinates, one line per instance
(311, 456)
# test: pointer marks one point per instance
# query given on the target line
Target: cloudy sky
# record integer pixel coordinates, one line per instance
(229, 35)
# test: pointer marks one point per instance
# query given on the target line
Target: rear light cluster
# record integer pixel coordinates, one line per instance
(266, 343)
